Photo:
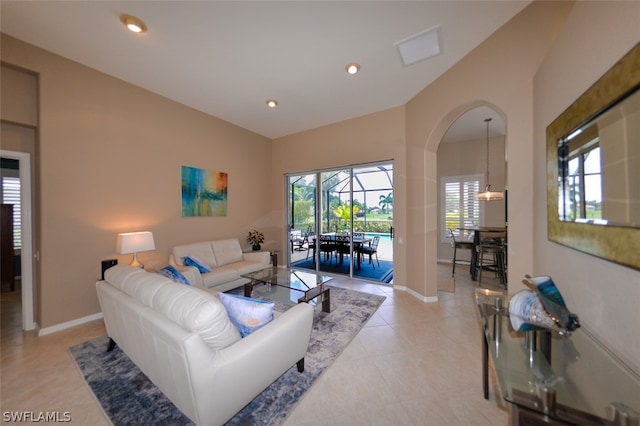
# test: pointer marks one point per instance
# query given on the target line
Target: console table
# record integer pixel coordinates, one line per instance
(552, 379)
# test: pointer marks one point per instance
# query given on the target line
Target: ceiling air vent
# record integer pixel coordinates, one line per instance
(420, 46)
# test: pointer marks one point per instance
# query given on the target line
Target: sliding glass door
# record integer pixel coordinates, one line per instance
(341, 221)
(301, 214)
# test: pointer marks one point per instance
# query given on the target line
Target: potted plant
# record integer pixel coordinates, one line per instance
(255, 238)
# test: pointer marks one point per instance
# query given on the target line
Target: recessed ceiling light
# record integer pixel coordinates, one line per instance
(133, 24)
(272, 103)
(352, 68)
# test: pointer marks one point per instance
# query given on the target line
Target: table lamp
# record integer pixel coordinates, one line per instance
(135, 242)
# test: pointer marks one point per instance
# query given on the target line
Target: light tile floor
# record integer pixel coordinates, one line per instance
(413, 363)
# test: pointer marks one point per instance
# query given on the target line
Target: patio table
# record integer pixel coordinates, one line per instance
(357, 241)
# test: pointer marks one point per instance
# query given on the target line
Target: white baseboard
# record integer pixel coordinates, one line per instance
(416, 294)
(69, 324)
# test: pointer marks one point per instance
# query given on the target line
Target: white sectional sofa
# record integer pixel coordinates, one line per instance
(225, 259)
(181, 337)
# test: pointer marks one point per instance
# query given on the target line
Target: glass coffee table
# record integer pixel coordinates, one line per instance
(289, 286)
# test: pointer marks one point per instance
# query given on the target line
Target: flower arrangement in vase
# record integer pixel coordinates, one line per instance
(255, 238)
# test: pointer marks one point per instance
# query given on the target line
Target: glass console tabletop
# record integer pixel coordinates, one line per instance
(572, 379)
(289, 286)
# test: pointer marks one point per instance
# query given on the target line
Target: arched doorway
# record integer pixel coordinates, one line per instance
(470, 155)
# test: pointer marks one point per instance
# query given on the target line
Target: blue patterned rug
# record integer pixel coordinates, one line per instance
(382, 273)
(127, 396)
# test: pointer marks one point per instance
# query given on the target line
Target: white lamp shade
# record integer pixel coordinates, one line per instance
(135, 242)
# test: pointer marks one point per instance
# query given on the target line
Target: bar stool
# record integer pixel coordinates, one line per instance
(464, 245)
(494, 245)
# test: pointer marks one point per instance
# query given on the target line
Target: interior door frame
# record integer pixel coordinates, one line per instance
(26, 257)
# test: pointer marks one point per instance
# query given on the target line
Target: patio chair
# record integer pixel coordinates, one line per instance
(342, 246)
(370, 250)
(327, 247)
(311, 244)
(297, 244)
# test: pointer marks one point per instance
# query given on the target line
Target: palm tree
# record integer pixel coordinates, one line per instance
(344, 212)
(386, 201)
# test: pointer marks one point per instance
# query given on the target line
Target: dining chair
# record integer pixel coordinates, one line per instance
(358, 240)
(493, 244)
(327, 247)
(370, 250)
(342, 246)
(459, 245)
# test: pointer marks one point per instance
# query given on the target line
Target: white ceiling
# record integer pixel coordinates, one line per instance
(227, 58)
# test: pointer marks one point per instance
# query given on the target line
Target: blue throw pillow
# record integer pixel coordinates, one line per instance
(192, 261)
(247, 314)
(173, 274)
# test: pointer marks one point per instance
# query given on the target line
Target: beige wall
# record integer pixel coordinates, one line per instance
(19, 100)
(110, 157)
(498, 74)
(605, 296)
(371, 138)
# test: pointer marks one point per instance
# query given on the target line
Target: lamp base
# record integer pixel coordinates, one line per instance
(135, 262)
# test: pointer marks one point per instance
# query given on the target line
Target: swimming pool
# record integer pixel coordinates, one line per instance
(385, 246)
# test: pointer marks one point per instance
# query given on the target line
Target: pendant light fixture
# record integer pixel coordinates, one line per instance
(488, 194)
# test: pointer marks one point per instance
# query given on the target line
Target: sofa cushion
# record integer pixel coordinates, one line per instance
(248, 315)
(244, 267)
(197, 263)
(227, 251)
(202, 251)
(198, 311)
(192, 308)
(135, 282)
(174, 275)
(219, 275)
(117, 275)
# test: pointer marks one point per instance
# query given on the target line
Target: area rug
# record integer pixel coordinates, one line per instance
(127, 396)
(382, 273)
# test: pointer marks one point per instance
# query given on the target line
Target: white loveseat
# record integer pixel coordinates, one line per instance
(225, 259)
(181, 337)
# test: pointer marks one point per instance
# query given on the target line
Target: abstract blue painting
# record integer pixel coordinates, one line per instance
(204, 192)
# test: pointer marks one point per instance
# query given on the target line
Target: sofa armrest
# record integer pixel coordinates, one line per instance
(263, 257)
(172, 261)
(191, 273)
(265, 354)
(241, 371)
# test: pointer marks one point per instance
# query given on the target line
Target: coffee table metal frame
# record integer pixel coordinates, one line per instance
(269, 276)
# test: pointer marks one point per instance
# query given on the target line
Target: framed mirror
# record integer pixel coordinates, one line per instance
(593, 168)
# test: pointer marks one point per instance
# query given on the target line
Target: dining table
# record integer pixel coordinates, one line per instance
(473, 268)
(358, 241)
